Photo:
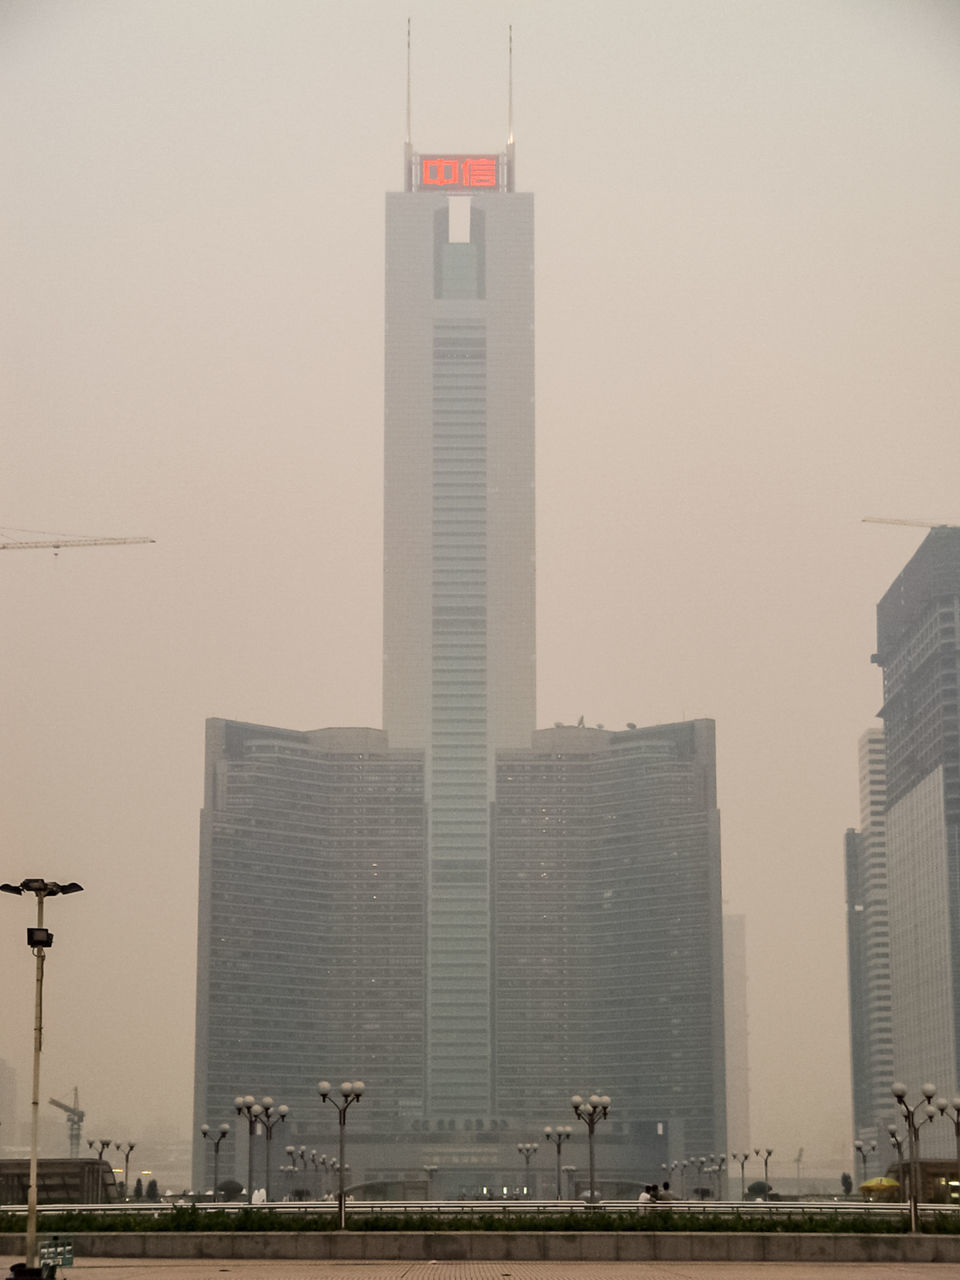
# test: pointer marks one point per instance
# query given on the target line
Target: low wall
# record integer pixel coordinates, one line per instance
(527, 1246)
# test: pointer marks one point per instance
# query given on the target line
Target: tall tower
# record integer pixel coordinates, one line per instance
(459, 674)
(918, 649)
(868, 952)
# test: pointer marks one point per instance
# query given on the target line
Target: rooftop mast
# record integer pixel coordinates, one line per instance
(510, 148)
(408, 144)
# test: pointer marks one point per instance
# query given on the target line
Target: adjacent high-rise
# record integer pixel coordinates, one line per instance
(475, 918)
(868, 953)
(911, 837)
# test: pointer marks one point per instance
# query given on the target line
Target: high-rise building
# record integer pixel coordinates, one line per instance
(458, 671)
(868, 952)
(736, 1031)
(476, 919)
(918, 650)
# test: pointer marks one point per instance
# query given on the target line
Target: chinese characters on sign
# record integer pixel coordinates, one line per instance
(459, 173)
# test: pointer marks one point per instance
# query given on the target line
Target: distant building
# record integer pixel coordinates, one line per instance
(736, 1031)
(868, 952)
(918, 650)
(475, 919)
(9, 1120)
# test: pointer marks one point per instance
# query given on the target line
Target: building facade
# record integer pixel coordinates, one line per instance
(868, 953)
(918, 651)
(458, 671)
(476, 919)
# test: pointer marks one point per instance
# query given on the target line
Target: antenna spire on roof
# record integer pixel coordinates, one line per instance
(509, 85)
(510, 147)
(408, 143)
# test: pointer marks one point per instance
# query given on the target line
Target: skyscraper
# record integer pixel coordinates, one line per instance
(458, 672)
(868, 952)
(918, 650)
(475, 918)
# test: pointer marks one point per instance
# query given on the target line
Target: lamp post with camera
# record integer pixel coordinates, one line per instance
(38, 940)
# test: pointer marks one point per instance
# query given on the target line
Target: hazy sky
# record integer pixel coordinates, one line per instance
(748, 302)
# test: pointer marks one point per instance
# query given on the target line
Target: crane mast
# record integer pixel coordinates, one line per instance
(75, 1119)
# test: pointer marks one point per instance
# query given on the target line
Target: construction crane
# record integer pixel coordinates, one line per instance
(55, 542)
(919, 524)
(74, 1121)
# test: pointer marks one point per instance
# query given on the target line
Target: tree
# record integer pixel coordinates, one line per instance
(153, 1191)
(759, 1189)
(138, 1189)
(230, 1189)
(847, 1183)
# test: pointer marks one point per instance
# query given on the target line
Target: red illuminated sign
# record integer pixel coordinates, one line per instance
(458, 173)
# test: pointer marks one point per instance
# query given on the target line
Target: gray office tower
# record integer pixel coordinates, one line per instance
(918, 650)
(476, 919)
(868, 953)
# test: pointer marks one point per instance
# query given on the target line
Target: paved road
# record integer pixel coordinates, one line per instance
(164, 1269)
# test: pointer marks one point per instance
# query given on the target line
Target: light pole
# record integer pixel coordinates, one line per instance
(318, 1163)
(591, 1112)
(766, 1154)
(38, 939)
(799, 1161)
(125, 1148)
(558, 1137)
(928, 1111)
(224, 1130)
(943, 1106)
(296, 1155)
(741, 1158)
(863, 1151)
(350, 1091)
(528, 1150)
(102, 1144)
(248, 1107)
(269, 1119)
(684, 1164)
(429, 1170)
(570, 1170)
(897, 1142)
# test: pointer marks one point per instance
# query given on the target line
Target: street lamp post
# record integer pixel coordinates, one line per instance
(259, 1113)
(766, 1154)
(318, 1164)
(224, 1130)
(558, 1136)
(863, 1151)
(350, 1091)
(591, 1112)
(38, 939)
(296, 1154)
(271, 1117)
(101, 1144)
(944, 1107)
(897, 1142)
(741, 1158)
(125, 1148)
(928, 1112)
(430, 1170)
(570, 1170)
(527, 1150)
(684, 1165)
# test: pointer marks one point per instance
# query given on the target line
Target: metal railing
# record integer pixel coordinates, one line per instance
(772, 1209)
